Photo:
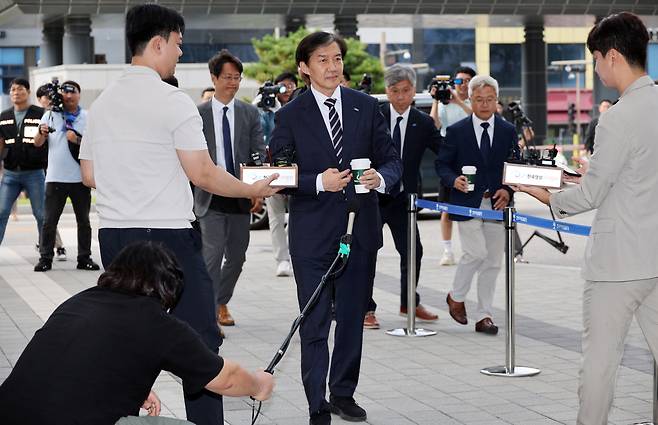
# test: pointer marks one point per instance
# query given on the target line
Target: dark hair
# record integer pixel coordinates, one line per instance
(20, 82)
(286, 76)
(145, 21)
(625, 33)
(313, 41)
(465, 70)
(42, 91)
(346, 75)
(172, 81)
(145, 268)
(606, 100)
(71, 83)
(216, 63)
(207, 89)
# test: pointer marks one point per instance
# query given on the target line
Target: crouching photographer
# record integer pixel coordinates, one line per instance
(62, 127)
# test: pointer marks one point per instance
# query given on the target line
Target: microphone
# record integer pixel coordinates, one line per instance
(346, 239)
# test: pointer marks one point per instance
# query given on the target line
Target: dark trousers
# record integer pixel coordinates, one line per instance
(56, 194)
(351, 288)
(394, 214)
(196, 305)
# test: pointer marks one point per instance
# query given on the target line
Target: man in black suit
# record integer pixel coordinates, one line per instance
(233, 132)
(413, 132)
(328, 126)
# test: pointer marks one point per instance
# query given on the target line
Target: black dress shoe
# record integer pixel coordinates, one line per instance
(486, 326)
(43, 265)
(87, 264)
(320, 418)
(346, 408)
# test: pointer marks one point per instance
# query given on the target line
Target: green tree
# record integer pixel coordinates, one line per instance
(278, 55)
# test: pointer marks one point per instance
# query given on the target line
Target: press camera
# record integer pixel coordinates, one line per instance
(268, 93)
(443, 83)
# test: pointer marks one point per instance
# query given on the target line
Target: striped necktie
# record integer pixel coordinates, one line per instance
(336, 129)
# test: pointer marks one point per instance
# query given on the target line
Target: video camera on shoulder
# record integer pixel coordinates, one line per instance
(54, 93)
(443, 83)
(268, 93)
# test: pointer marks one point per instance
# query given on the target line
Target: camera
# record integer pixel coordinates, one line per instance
(53, 91)
(365, 86)
(284, 158)
(443, 83)
(518, 116)
(268, 94)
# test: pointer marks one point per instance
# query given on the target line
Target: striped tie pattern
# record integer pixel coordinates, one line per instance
(336, 129)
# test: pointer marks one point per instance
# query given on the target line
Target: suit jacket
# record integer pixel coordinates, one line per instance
(622, 184)
(421, 134)
(461, 148)
(247, 138)
(317, 220)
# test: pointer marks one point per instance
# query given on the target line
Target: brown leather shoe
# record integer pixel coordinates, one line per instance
(486, 326)
(225, 318)
(457, 310)
(370, 321)
(421, 313)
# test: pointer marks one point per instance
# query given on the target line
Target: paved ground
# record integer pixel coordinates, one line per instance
(434, 380)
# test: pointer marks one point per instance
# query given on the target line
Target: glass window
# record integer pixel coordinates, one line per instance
(399, 52)
(652, 61)
(447, 49)
(506, 63)
(201, 52)
(12, 65)
(12, 56)
(564, 79)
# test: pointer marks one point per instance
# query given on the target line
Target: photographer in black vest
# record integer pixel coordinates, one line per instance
(24, 162)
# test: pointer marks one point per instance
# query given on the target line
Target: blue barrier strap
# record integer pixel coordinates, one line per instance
(465, 211)
(558, 226)
(561, 226)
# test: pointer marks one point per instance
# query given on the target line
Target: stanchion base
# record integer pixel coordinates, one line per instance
(415, 332)
(518, 371)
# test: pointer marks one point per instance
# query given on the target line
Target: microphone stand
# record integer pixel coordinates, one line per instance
(343, 254)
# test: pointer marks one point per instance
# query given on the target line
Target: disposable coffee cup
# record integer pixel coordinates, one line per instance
(469, 172)
(359, 166)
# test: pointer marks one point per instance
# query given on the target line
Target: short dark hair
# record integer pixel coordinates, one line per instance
(624, 32)
(42, 91)
(172, 81)
(465, 70)
(286, 76)
(207, 89)
(71, 83)
(216, 63)
(145, 21)
(145, 268)
(313, 41)
(20, 82)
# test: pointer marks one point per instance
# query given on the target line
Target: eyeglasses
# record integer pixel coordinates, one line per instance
(483, 100)
(231, 77)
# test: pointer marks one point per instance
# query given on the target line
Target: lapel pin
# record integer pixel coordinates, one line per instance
(356, 109)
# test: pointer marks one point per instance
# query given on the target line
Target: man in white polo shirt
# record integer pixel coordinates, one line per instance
(143, 145)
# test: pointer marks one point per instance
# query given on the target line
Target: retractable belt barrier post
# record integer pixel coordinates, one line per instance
(411, 329)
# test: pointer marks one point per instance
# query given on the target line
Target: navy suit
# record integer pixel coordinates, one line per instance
(316, 222)
(461, 148)
(420, 134)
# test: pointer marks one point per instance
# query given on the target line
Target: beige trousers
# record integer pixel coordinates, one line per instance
(608, 309)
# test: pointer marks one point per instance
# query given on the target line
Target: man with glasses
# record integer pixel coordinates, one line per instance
(63, 179)
(483, 140)
(445, 116)
(233, 132)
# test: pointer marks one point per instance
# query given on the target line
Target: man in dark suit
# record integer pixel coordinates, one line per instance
(485, 141)
(413, 132)
(233, 132)
(328, 126)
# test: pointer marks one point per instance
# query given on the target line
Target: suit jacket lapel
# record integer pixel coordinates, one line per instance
(209, 129)
(315, 123)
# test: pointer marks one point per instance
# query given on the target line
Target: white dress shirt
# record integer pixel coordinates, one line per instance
(403, 124)
(479, 130)
(218, 118)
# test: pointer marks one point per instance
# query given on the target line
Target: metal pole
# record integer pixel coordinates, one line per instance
(411, 330)
(510, 369)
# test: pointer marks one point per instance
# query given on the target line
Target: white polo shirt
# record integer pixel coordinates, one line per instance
(133, 131)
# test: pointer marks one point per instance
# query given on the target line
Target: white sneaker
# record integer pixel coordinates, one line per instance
(448, 259)
(284, 269)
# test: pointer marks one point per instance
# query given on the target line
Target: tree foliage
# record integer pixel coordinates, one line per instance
(278, 55)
